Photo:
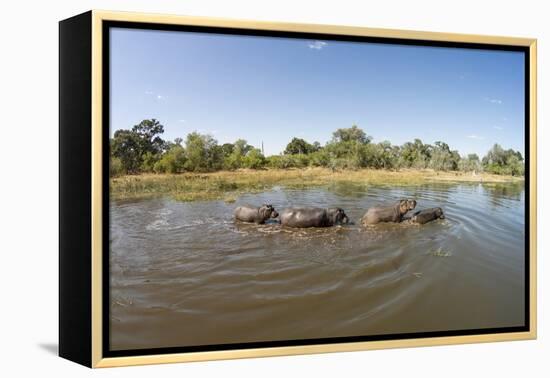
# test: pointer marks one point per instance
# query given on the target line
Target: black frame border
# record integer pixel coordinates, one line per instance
(107, 25)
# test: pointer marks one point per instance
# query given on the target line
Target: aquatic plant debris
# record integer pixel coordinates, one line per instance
(440, 253)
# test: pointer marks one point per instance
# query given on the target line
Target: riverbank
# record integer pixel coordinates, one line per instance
(228, 185)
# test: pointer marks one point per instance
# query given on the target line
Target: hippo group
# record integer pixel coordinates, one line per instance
(304, 217)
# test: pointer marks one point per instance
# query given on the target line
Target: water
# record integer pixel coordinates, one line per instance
(185, 274)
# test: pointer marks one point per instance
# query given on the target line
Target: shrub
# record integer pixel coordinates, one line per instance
(254, 159)
(116, 168)
(172, 161)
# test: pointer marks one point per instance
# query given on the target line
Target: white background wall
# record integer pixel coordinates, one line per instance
(28, 197)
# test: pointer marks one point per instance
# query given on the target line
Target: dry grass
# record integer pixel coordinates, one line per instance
(228, 185)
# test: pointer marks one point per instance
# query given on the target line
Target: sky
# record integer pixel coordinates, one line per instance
(269, 90)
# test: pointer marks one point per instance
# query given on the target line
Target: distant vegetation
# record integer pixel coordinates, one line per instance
(142, 150)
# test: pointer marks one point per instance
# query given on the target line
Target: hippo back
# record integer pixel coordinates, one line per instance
(246, 214)
(427, 215)
(382, 214)
(304, 217)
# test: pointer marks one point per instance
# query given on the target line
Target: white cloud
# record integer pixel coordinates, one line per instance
(157, 96)
(181, 120)
(497, 127)
(317, 45)
(493, 100)
(208, 132)
(474, 136)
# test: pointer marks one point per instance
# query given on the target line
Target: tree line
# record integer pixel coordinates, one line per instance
(141, 150)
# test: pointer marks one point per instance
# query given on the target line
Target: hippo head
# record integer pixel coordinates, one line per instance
(268, 211)
(337, 216)
(406, 205)
(439, 213)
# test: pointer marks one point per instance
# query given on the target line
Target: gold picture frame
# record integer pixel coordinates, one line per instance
(90, 328)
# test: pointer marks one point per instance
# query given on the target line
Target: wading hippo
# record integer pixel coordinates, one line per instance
(255, 214)
(313, 217)
(393, 213)
(427, 215)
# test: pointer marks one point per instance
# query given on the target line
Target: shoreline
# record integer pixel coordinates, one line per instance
(229, 185)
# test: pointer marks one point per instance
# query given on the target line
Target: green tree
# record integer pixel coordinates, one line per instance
(320, 158)
(227, 149)
(202, 153)
(214, 160)
(470, 163)
(349, 148)
(172, 161)
(495, 156)
(442, 158)
(516, 165)
(235, 159)
(254, 159)
(148, 131)
(500, 161)
(415, 154)
(126, 146)
(133, 146)
(242, 146)
(352, 134)
(380, 156)
(148, 161)
(300, 146)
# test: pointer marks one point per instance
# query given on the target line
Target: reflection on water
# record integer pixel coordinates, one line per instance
(186, 274)
(497, 191)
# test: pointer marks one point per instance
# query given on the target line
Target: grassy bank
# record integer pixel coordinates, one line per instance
(228, 185)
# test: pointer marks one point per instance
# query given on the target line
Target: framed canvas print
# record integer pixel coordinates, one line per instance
(235, 189)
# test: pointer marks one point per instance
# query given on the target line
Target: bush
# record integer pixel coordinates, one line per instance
(233, 161)
(319, 158)
(172, 161)
(116, 168)
(504, 162)
(149, 161)
(254, 159)
(280, 161)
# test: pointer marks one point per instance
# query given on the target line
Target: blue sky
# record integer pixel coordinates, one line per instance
(272, 89)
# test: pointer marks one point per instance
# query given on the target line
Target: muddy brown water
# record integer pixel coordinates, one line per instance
(183, 273)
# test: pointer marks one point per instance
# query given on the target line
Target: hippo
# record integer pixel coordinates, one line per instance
(393, 213)
(427, 215)
(303, 217)
(255, 214)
